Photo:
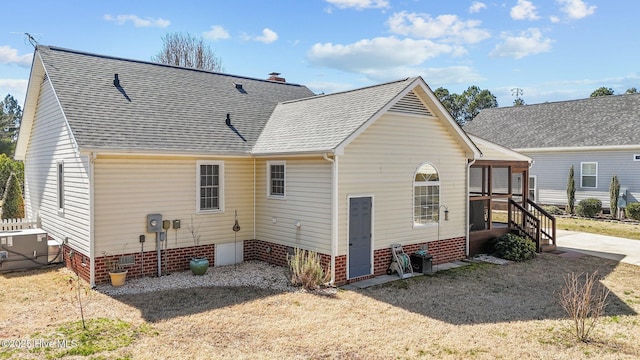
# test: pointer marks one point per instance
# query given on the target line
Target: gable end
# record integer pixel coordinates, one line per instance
(410, 104)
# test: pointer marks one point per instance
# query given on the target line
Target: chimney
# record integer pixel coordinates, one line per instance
(116, 81)
(274, 77)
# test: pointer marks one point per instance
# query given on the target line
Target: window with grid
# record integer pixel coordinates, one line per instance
(276, 181)
(426, 195)
(209, 186)
(589, 175)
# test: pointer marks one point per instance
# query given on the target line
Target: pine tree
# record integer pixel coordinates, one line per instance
(614, 193)
(571, 192)
(13, 204)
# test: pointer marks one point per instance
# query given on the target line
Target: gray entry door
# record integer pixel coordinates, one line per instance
(359, 236)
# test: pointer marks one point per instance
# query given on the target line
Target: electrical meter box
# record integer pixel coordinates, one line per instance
(154, 223)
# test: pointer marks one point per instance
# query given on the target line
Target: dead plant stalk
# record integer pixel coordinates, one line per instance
(584, 302)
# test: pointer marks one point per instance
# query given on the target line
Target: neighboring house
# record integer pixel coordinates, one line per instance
(598, 136)
(108, 141)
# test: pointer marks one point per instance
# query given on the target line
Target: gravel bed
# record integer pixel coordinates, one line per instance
(250, 273)
(491, 259)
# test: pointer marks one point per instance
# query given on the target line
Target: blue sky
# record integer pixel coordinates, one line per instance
(551, 49)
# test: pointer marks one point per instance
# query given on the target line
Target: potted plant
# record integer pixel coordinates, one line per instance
(198, 264)
(117, 274)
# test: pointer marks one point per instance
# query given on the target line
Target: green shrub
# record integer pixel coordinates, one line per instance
(515, 248)
(633, 210)
(589, 207)
(553, 210)
(306, 270)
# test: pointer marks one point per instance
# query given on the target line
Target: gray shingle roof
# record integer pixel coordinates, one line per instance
(599, 121)
(322, 123)
(159, 107)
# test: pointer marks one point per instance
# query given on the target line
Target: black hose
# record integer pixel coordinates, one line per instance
(17, 253)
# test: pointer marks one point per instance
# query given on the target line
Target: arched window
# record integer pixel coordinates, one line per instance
(426, 195)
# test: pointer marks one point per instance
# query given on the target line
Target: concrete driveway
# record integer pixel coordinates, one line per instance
(609, 247)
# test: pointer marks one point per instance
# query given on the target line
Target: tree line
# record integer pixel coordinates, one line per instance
(11, 171)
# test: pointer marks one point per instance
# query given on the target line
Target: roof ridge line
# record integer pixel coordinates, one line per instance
(78, 52)
(348, 91)
(594, 98)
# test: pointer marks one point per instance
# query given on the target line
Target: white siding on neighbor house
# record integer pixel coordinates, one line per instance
(552, 172)
(382, 161)
(308, 200)
(129, 188)
(50, 142)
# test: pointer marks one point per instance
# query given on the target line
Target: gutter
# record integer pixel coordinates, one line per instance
(579, 148)
(334, 213)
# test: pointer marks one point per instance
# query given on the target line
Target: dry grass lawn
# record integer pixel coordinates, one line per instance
(477, 312)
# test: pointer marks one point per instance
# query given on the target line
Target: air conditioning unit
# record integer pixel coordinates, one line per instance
(23, 249)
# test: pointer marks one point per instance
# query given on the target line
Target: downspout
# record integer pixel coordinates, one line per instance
(92, 248)
(468, 230)
(334, 213)
(254, 199)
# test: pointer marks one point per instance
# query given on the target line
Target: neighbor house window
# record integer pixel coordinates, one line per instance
(60, 183)
(426, 195)
(589, 174)
(532, 188)
(276, 179)
(210, 185)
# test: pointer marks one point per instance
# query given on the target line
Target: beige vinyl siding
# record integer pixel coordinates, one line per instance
(51, 142)
(129, 188)
(382, 161)
(308, 200)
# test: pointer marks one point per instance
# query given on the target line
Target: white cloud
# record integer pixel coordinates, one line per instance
(9, 55)
(525, 10)
(137, 21)
(445, 27)
(476, 7)
(217, 32)
(359, 4)
(451, 75)
(371, 56)
(529, 42)
(554, 19)
(16, 87)
(327, 87)
(268, 36)
(577, 9)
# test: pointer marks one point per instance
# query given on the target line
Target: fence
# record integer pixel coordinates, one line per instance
(17, 224)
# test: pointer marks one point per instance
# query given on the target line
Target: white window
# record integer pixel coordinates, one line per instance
(210, 186)
(589, 175)
(60, 184)
(426, 195)
(532, 188)
(276, 179)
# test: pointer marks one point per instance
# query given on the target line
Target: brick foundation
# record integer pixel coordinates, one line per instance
(79, 262)
(443, 251)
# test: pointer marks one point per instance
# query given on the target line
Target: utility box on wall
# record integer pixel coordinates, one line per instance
(23, 249)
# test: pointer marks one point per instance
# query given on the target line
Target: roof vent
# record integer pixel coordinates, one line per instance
(116, 81)
(239, 88)
(274, 77)
(228, 120)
